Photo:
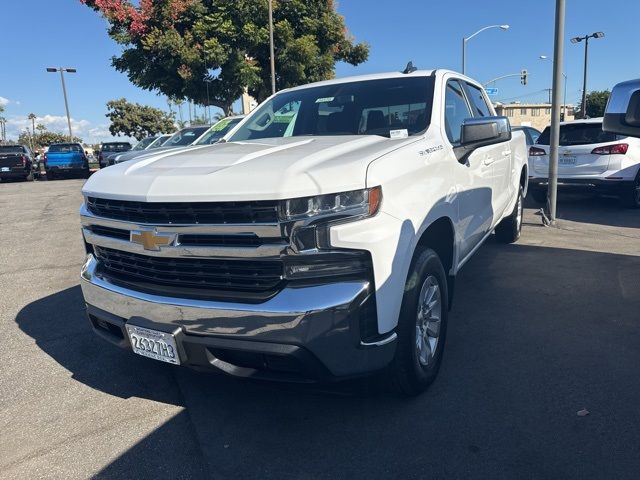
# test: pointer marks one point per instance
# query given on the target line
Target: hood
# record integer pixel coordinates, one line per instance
(269, 169)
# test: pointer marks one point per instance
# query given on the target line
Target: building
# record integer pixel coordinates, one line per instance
(536, 115)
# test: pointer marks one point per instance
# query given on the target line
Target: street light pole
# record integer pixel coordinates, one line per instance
(271, 49)
(586, 38)
(64, 92)
(465, 40)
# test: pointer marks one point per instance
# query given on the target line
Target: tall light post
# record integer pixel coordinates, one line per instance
(564, 101)
(465, 40)
(583, 108)
(271, 49)
(64, 92)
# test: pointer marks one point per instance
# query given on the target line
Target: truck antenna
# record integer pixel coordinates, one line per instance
(409, 69)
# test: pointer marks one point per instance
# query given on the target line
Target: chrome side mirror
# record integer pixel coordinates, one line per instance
(480, 132)
(622, 115)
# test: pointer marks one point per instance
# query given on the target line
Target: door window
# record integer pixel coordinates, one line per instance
(478, 101)
(456, 111)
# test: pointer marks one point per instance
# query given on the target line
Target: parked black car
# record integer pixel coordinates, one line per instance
(16, 162)
(110, 149)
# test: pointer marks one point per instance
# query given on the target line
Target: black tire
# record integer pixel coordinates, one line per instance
(408, 373)
(539, 194)
(50, 176)
(631, 197)
(510, 228)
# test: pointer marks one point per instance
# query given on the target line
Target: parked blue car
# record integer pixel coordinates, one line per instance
(66, 159)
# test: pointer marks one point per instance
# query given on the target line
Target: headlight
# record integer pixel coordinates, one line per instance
(356, 203)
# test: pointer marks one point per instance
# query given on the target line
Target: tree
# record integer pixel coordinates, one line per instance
(596, 103)
(43, 137)
(138, 121)
(171, 45)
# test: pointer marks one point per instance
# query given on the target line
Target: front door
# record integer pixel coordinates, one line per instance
(473, 179)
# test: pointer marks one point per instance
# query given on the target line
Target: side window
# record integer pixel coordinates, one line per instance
(456, 111)
(478, 102)
(534, 134)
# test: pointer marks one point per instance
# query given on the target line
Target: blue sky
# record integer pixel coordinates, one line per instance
(429, 32)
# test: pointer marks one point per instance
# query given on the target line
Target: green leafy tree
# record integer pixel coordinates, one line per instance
(137, 121)
(596, 104)
(171, 46)
(43, 137)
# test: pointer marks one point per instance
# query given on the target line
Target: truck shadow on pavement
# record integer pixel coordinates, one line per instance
(535, 335)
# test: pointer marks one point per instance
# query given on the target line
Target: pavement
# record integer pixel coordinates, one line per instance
(539, 331)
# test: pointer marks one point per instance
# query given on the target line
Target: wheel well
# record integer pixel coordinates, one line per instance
(439, 236)
(524, 180)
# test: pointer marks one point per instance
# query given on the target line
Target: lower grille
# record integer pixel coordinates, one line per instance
(192, 277)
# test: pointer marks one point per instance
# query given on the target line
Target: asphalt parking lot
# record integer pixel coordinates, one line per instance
(539, 331)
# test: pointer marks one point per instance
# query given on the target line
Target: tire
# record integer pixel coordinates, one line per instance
(50, 176)
(510, 228)
(538, 194)
(416, 363)
(631, 197)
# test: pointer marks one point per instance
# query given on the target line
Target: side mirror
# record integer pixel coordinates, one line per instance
(622, 115)
(481, 132)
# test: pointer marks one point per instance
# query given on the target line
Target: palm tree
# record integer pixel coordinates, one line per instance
(32, 117)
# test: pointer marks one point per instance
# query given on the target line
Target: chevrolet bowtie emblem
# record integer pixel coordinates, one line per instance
(152, 240)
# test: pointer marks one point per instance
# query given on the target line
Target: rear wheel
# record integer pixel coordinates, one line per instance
(422, 325)
(50, 176)
(631, 198)
(510, 228)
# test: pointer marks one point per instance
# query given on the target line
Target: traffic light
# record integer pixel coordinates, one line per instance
(523, 77)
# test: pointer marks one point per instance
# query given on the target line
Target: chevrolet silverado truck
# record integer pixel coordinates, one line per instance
(65, 160)
(319, 241)
(16, 162)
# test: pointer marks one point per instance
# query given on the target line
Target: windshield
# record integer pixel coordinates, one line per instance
(158, 142)
(579, 134)
(116, 147)
(390, 107)
(219, 130)
(186, 136)
(11, 149)
(65, 148)
(144, 143)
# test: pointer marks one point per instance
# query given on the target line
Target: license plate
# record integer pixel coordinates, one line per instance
(5, 169)
(567, 160)
(153, 344)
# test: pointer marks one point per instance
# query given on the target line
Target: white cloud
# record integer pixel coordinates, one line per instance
(4, 102)
(84, 129)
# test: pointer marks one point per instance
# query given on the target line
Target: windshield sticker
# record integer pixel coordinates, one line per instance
(404, 133)
(325, 100)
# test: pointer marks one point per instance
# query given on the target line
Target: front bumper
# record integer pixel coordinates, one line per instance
(304, 333)
(599, 185)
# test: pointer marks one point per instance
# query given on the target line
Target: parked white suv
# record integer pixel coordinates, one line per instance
(589, 159)
(321, 240)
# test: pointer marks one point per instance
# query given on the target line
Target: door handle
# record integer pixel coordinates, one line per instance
(506, 153)
(488, 160)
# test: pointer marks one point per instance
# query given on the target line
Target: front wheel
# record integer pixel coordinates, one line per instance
(510, 228)
(422, 325)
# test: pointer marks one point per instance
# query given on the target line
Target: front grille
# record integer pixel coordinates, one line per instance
(201, 240)
(192, 277)
(185, 213)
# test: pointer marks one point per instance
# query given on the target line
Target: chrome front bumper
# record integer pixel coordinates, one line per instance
(322, 320)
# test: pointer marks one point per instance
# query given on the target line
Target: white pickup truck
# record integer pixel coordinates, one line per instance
(320, 241)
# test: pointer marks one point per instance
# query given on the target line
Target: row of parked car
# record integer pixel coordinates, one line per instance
(589, 159)
(18, 162)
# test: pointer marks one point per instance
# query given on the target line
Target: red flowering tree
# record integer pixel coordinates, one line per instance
(170, 46)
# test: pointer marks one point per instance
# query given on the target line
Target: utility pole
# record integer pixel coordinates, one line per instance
(271, 49)
(558, 62)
